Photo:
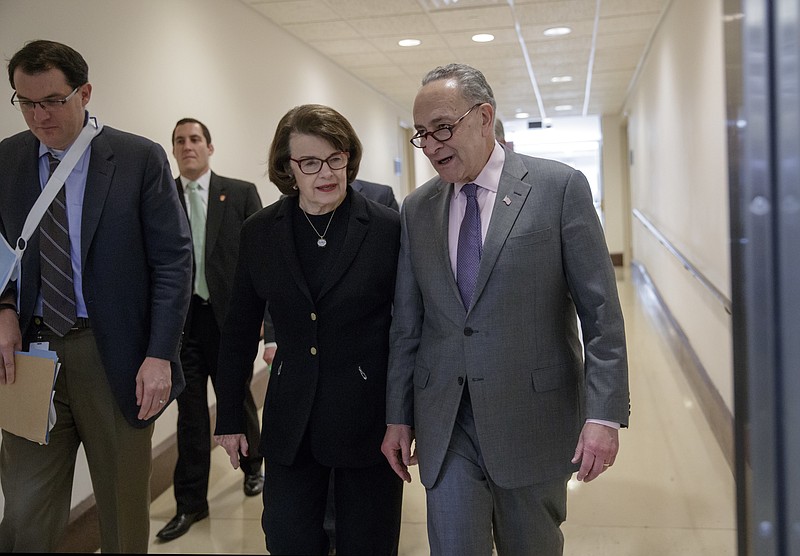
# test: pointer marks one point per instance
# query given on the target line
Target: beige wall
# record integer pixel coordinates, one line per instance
(679, 181)
(152, 62)
(616, 192)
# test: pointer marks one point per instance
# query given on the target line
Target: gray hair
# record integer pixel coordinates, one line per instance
(471, 82)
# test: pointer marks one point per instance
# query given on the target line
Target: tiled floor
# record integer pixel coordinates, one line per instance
(670, 493)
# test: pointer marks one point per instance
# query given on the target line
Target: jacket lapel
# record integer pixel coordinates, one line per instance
(504, 215)
(440, 202)
(98, 182)
(283, 229)
(357, 224)
(216, 208)
(26, 174)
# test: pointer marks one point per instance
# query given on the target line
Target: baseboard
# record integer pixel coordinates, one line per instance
(719, 417)
(83, 531)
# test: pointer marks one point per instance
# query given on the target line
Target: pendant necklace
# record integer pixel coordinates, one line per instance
(322, 242)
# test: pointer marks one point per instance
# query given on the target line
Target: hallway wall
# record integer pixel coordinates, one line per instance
(679, 181)
(152, 62)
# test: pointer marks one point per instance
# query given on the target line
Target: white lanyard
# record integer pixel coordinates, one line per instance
(51, 189)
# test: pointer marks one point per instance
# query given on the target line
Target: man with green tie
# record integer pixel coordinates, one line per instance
(216, 207)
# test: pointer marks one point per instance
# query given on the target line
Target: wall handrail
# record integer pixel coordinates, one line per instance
(693, 270)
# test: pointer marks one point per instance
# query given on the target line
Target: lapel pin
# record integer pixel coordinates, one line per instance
(222, 198)
(506, 200)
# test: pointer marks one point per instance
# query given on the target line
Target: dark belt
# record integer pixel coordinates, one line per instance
(80, 322)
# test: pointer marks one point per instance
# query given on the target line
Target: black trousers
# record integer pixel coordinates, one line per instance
(199, 354)
(368, 505)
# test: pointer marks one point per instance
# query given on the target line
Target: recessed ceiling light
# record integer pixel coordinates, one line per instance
(563, 107)
(557, 31)
(483, 37)
(521, 115)
(410, 42)
(561, 79)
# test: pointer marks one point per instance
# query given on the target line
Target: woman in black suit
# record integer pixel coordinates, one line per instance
(325, 259)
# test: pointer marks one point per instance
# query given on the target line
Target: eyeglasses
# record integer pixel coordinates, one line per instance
(313, 165)
(444, 133)
(48, 105)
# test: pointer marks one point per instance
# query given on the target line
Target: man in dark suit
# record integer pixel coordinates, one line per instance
(377, 192)
(115, 320)
(501, 257)
(217, 207)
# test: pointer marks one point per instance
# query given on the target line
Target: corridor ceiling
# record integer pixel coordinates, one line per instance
(608, 41)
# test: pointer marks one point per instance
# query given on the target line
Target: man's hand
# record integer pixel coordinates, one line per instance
(597, 449)
(396, 447)
(153, 385)
(233, 444)
(10, 341)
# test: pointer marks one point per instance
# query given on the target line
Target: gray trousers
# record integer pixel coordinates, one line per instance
(37, 480)
(468, 513)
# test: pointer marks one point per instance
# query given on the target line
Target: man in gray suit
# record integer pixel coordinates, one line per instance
(486, 370)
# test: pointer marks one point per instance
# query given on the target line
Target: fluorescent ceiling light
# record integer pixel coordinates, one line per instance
(561, 79)
(410, 42)
(557, 31)
(563, 107)
(521, 115)
(483, 37)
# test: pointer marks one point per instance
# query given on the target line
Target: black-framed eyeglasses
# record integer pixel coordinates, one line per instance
(442, 134)
(313, 165)
(48, 105)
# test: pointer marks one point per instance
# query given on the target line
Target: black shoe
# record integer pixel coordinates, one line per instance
(253, 484)
(179, 525)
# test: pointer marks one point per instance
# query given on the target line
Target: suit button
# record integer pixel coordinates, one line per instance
(468, 331)
(313, 351)
(460, 380)
(313, 316)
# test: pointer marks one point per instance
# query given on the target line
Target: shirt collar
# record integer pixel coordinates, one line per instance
(489, 178)
(203, 181)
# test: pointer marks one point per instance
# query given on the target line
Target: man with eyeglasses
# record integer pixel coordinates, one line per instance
(217, 207)
(105, 283)
(500, 256)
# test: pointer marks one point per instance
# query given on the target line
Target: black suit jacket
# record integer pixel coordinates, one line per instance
(230, 203)
(135, 248)
(378, 192)
(329, 373)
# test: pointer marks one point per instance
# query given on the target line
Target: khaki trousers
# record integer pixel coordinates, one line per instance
(37, 480)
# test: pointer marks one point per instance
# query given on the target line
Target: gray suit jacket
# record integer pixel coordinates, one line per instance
(518, 347)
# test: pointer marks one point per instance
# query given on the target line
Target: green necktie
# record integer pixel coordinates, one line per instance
(197, 219)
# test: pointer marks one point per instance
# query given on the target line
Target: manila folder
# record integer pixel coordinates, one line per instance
(25, 404)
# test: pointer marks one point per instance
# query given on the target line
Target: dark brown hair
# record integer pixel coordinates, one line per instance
(39, 56)
(317, 120)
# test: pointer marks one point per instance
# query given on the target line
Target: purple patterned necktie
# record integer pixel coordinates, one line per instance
(58, 290)
(470, 247)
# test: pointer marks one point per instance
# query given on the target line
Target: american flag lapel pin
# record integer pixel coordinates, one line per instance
(506, 200)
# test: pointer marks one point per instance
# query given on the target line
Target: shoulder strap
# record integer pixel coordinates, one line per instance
(51, 189)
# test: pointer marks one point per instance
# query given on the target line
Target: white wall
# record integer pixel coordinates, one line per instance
(152, 62)
(679, 181)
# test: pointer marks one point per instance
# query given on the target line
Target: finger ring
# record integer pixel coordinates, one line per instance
(606, 465)
(160, 401)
